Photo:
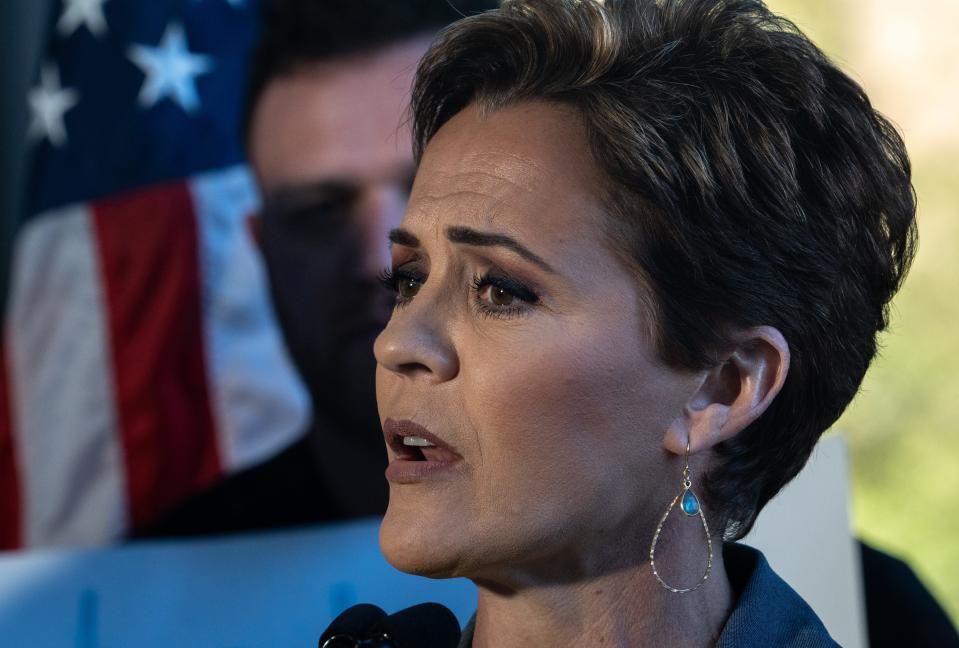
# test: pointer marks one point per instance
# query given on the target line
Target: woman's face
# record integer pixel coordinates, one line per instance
(517, 342)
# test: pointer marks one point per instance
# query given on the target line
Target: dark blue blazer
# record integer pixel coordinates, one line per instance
(768, 612)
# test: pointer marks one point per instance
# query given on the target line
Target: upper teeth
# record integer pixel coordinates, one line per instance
(419, 442)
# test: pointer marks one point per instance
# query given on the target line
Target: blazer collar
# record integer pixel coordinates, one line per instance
(768, 611)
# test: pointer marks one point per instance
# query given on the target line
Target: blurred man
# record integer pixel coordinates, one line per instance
(328, 144)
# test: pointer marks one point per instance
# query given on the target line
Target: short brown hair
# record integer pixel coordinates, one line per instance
(750, 183)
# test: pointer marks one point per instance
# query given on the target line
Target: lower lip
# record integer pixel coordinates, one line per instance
(406, 471)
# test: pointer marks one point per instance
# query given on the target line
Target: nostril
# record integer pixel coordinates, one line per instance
(413, 368)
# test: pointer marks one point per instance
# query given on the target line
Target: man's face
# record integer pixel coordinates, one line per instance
(331, 151)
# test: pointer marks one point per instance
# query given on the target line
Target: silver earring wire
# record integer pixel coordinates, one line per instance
(690, 506)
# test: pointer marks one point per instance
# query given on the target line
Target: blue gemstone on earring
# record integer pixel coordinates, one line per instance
(690, 503)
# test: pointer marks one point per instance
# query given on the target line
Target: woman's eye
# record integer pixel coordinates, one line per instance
(501, 296)
(404, 282)
(497, 295)
(407, 287)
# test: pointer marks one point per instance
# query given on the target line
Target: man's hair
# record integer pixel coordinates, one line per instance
(296, 33)
(750, 182)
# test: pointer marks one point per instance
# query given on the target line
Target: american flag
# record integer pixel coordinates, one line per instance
(141, 359)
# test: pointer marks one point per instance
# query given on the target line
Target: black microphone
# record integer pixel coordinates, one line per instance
(427, 625)
(352, 625)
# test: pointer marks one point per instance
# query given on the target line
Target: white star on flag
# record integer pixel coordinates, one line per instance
(82, 12)
(49, 103)
(170, 70)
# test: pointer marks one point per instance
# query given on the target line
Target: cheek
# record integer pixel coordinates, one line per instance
(384, 381)
(571, 419)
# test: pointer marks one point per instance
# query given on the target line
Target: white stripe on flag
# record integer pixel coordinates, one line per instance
(61, 383)
(259, 404)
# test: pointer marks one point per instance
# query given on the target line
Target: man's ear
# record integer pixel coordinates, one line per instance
(733, 394)
(253, 224)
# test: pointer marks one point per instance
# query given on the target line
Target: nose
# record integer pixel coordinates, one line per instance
(415, 343)
(380, 210)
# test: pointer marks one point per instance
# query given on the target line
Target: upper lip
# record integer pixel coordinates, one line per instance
(394, 431)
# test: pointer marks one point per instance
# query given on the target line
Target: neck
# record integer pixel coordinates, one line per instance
(623, 607)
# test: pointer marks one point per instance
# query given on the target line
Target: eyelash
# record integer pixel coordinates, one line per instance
(390, 279)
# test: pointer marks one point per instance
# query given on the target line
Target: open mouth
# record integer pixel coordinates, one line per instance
(411, 442)
(414, 448)
(418, 455)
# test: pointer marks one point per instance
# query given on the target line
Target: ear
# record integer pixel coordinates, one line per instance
(253, 226)
(733, 394)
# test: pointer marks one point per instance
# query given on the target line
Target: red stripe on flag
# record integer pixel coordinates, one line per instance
(150, 259)
(11, 524)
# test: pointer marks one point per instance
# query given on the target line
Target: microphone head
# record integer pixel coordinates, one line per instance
(427, 625)
(351, 625)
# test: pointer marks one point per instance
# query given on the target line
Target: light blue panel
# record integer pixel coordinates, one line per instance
(271, 589)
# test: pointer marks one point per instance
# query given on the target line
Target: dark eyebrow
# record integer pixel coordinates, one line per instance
(403, 237)
(467, 236)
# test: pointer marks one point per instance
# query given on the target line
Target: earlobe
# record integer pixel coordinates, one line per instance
(734, 394)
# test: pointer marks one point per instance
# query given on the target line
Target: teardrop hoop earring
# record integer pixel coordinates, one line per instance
(691, 507)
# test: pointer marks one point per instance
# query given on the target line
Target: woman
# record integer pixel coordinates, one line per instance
(647, 254)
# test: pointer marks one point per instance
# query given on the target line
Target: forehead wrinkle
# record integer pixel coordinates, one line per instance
(480, 195)
(482, 184)
(495, 163)
(522, 171)
(484, 210)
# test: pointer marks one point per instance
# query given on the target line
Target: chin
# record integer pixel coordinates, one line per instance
(415, 544)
